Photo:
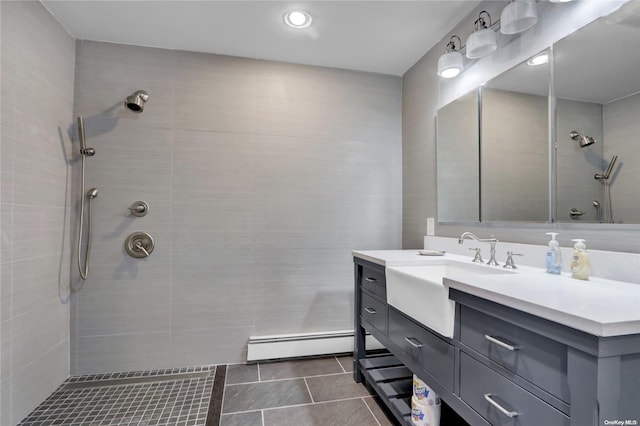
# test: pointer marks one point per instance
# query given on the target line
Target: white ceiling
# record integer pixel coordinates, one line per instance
(377, 36)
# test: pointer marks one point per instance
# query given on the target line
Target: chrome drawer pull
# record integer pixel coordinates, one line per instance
(413, 342)
(370, 311)
(500, 408)
(371, 280)
(501, 343)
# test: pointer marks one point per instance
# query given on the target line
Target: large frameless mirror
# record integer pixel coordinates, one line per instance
(514, 142)
(597, 87)
(458, 161)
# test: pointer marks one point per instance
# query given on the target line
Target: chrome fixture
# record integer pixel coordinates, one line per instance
(575, 213)
(596, 204)
(136, 101)
(604, 178)
(518, 16)
(83, 267)
(606, 174)
(139, 209)
(84, 151)
(139, 245)
(583, 139)
(478, 257)
(451, 63)
(509, 264)
(491, 240)
(482, 40)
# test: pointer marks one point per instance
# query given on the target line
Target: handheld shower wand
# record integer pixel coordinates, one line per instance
(606, 174)
(90, 152)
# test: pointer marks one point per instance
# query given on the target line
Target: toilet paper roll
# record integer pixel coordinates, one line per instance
(423, 413)
(423, 392)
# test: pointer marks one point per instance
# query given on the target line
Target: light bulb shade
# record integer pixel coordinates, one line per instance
(450, 64)
(481, 43)
(518, 16)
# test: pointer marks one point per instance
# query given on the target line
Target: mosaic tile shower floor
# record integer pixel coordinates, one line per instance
(308, 392)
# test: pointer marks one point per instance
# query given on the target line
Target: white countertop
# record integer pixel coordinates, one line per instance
(598, 306)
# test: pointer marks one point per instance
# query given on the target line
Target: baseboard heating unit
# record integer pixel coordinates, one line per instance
(304, 344)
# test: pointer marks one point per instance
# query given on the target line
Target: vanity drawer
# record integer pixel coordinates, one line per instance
(535, 358)
(374, 312)
(423, 347)
(485, 391)
(374, 282)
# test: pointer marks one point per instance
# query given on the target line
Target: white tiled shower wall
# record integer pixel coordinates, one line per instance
(37, 107)
(261, 177)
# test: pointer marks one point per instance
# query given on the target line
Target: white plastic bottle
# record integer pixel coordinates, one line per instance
(553, 261)
(580, 266)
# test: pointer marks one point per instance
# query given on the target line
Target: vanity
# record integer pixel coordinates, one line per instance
(523, 347)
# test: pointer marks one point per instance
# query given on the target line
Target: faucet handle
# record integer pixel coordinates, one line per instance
(478, 257)
(509, 264)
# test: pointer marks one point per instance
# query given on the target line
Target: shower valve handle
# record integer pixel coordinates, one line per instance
(140, 247)
(139, 208)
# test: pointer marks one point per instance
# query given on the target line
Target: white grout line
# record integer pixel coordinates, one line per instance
(259, 378)
(369, 408)
(309, 390)
(262, 416)
(340, 364)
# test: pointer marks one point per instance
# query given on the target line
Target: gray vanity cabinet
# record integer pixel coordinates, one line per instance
(502, 367)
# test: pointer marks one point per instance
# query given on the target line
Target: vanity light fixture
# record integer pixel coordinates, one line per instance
(482, 40)
(451, 63)
(539, 59)
(518, 16)
(297, 19)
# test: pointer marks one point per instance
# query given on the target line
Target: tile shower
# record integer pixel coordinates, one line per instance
(261, 178)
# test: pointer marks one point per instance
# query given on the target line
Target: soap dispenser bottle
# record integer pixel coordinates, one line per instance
(580, 267)
(553, 261)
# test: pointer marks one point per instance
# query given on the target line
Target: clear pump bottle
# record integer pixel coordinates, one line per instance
(553, 260)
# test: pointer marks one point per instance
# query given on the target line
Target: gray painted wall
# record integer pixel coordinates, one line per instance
(37, 106)
(261, 178)
(423, 92)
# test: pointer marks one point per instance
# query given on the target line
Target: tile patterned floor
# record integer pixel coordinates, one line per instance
(311, 392)
(144, 398)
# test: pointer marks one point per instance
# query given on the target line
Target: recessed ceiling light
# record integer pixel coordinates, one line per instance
(297, 19)
(540, 59)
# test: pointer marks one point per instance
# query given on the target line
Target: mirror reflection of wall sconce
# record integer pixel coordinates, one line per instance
(516, 17)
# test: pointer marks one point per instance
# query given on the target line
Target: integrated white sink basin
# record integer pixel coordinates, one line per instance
(419, 292)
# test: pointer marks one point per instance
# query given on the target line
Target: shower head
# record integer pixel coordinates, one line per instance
(92, 193)
(583, 139)
(136, 101)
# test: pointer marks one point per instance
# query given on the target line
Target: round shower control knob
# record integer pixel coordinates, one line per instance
(139, 208)
(139, 245)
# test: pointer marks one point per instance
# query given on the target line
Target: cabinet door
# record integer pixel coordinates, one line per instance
(537, 359)
(425, 348)
(374, 312)
(501, 401)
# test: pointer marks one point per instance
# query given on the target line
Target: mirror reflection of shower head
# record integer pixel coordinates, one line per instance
(583, 139)
(136, 101)
(92, 193)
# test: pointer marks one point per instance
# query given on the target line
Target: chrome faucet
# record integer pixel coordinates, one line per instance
(493, 240)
